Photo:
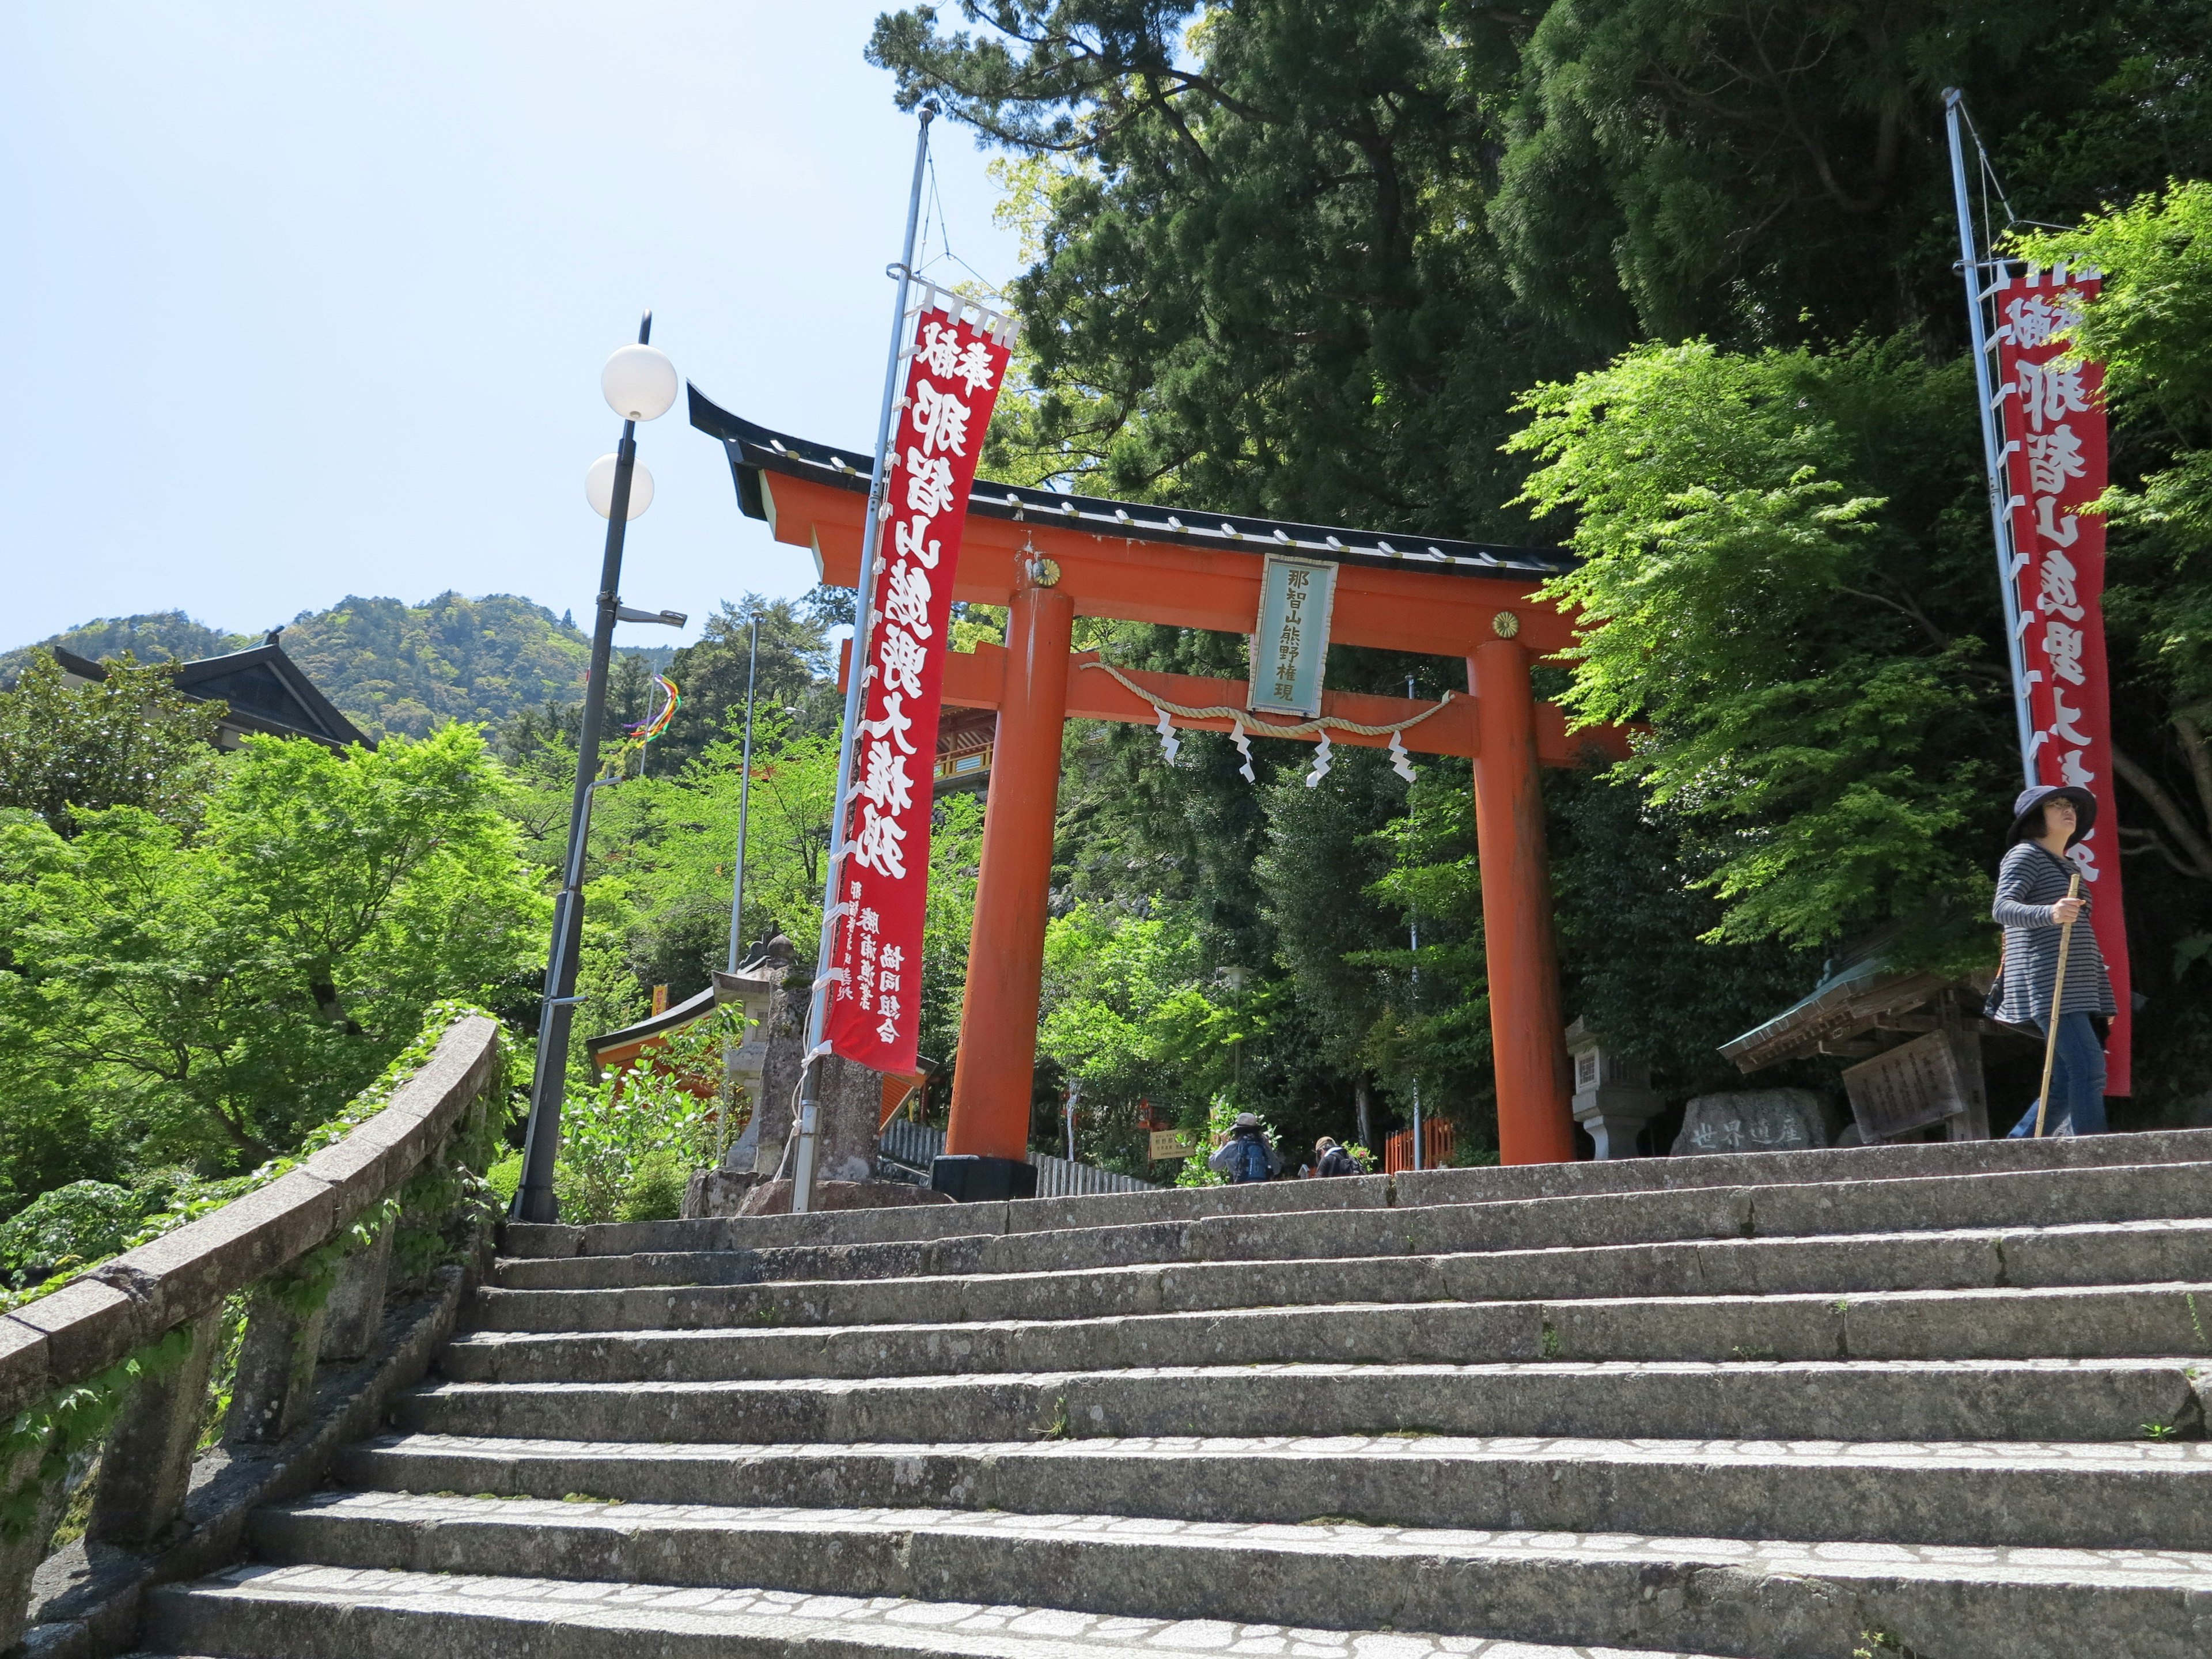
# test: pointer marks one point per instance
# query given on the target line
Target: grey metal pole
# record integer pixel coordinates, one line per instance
(744, 798)
(817, 1006)
(1413, 933)
(541, 1144)
(1971, 264)
(1413, 929)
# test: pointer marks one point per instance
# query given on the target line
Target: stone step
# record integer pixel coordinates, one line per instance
(2143, 1252)
(939, 1243)
(2143, 1496)
(1855, 1166)
(2108, 1322)
(328, 1613)
(2036, 1400)
(1768, 1599)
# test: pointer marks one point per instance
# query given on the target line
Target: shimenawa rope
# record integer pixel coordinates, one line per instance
(1262, 728)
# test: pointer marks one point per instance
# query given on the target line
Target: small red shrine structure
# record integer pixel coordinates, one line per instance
(1049, 557)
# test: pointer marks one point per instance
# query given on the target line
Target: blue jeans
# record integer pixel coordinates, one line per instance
(2077, 1081)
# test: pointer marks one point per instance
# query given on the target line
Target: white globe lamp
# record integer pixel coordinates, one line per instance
(640, 383)
(599, 488)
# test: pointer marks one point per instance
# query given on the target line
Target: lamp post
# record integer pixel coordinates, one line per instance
(640, 383)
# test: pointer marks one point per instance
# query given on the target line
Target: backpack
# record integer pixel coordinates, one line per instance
(1250, 1162)
(1338, 1162)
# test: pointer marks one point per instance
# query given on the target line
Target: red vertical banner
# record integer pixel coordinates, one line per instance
(951, 387)
(2056, 461)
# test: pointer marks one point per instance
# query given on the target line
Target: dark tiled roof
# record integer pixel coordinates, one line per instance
(755, 449)
(265, 691)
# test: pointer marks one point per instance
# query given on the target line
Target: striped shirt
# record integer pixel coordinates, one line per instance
(2029, 882)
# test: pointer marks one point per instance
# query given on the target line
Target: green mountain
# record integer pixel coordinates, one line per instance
(412, 668)
(391, 667)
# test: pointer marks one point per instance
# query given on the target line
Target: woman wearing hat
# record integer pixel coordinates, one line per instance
(2031, 906)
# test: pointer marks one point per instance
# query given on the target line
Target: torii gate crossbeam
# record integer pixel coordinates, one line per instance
(1049, 557)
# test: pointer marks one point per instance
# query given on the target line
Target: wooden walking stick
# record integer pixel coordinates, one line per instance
(2058, 999)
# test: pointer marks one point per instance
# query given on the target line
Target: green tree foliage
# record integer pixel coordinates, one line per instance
(1771, 587)
(1431, 1028)
(68, 1226)
(209, 996)
(1131, 1015)
(1637, 914)
(1263, 279)
(664, 850)
(1126, 1005)
(132, 739)
(1768, 175)
(792, 676)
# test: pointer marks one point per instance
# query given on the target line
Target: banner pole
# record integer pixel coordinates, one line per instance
(745, 798)
(1971, 265)
(817, 1006)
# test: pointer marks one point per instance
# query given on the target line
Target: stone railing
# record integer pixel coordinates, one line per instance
(120, 1365)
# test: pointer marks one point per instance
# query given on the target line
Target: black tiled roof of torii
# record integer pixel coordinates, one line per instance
(754, 449)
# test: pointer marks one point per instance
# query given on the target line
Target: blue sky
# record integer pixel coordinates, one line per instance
(301, 302)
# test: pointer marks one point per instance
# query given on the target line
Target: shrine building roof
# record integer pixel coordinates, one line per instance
(754, 449)
(264, 692)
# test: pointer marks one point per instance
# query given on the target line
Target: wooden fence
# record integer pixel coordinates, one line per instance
(1436, 1143)
(915, 1144)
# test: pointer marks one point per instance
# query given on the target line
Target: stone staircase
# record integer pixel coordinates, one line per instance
(1943, 1401)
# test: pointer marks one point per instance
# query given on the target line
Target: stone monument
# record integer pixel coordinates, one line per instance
(754, 1177)
(1752, 1121)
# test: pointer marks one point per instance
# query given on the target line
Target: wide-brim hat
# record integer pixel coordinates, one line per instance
(1248, 1120)
(2030, 803)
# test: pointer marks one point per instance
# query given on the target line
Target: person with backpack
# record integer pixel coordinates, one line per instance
(1246, 1155)
(1331, 1159)
(2031, 906)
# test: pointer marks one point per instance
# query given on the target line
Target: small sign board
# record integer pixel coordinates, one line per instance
(1289, 642)
(1924, 1081)
(1172, 1143)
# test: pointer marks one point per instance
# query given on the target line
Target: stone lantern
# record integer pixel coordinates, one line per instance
(1614, 1096)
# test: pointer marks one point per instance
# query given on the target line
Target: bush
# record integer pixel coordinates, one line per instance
(655, 1192)
(632, 1141)
(504, 1178)
(67, 1227)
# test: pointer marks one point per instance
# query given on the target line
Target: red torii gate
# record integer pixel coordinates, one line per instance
(1048, 557)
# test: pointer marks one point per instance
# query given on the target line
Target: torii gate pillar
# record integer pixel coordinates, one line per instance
(992, 1081)
(1527, 1031)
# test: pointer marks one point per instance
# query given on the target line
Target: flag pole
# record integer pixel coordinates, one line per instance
(817, 1006)
(744, 798)
(1971, 265)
